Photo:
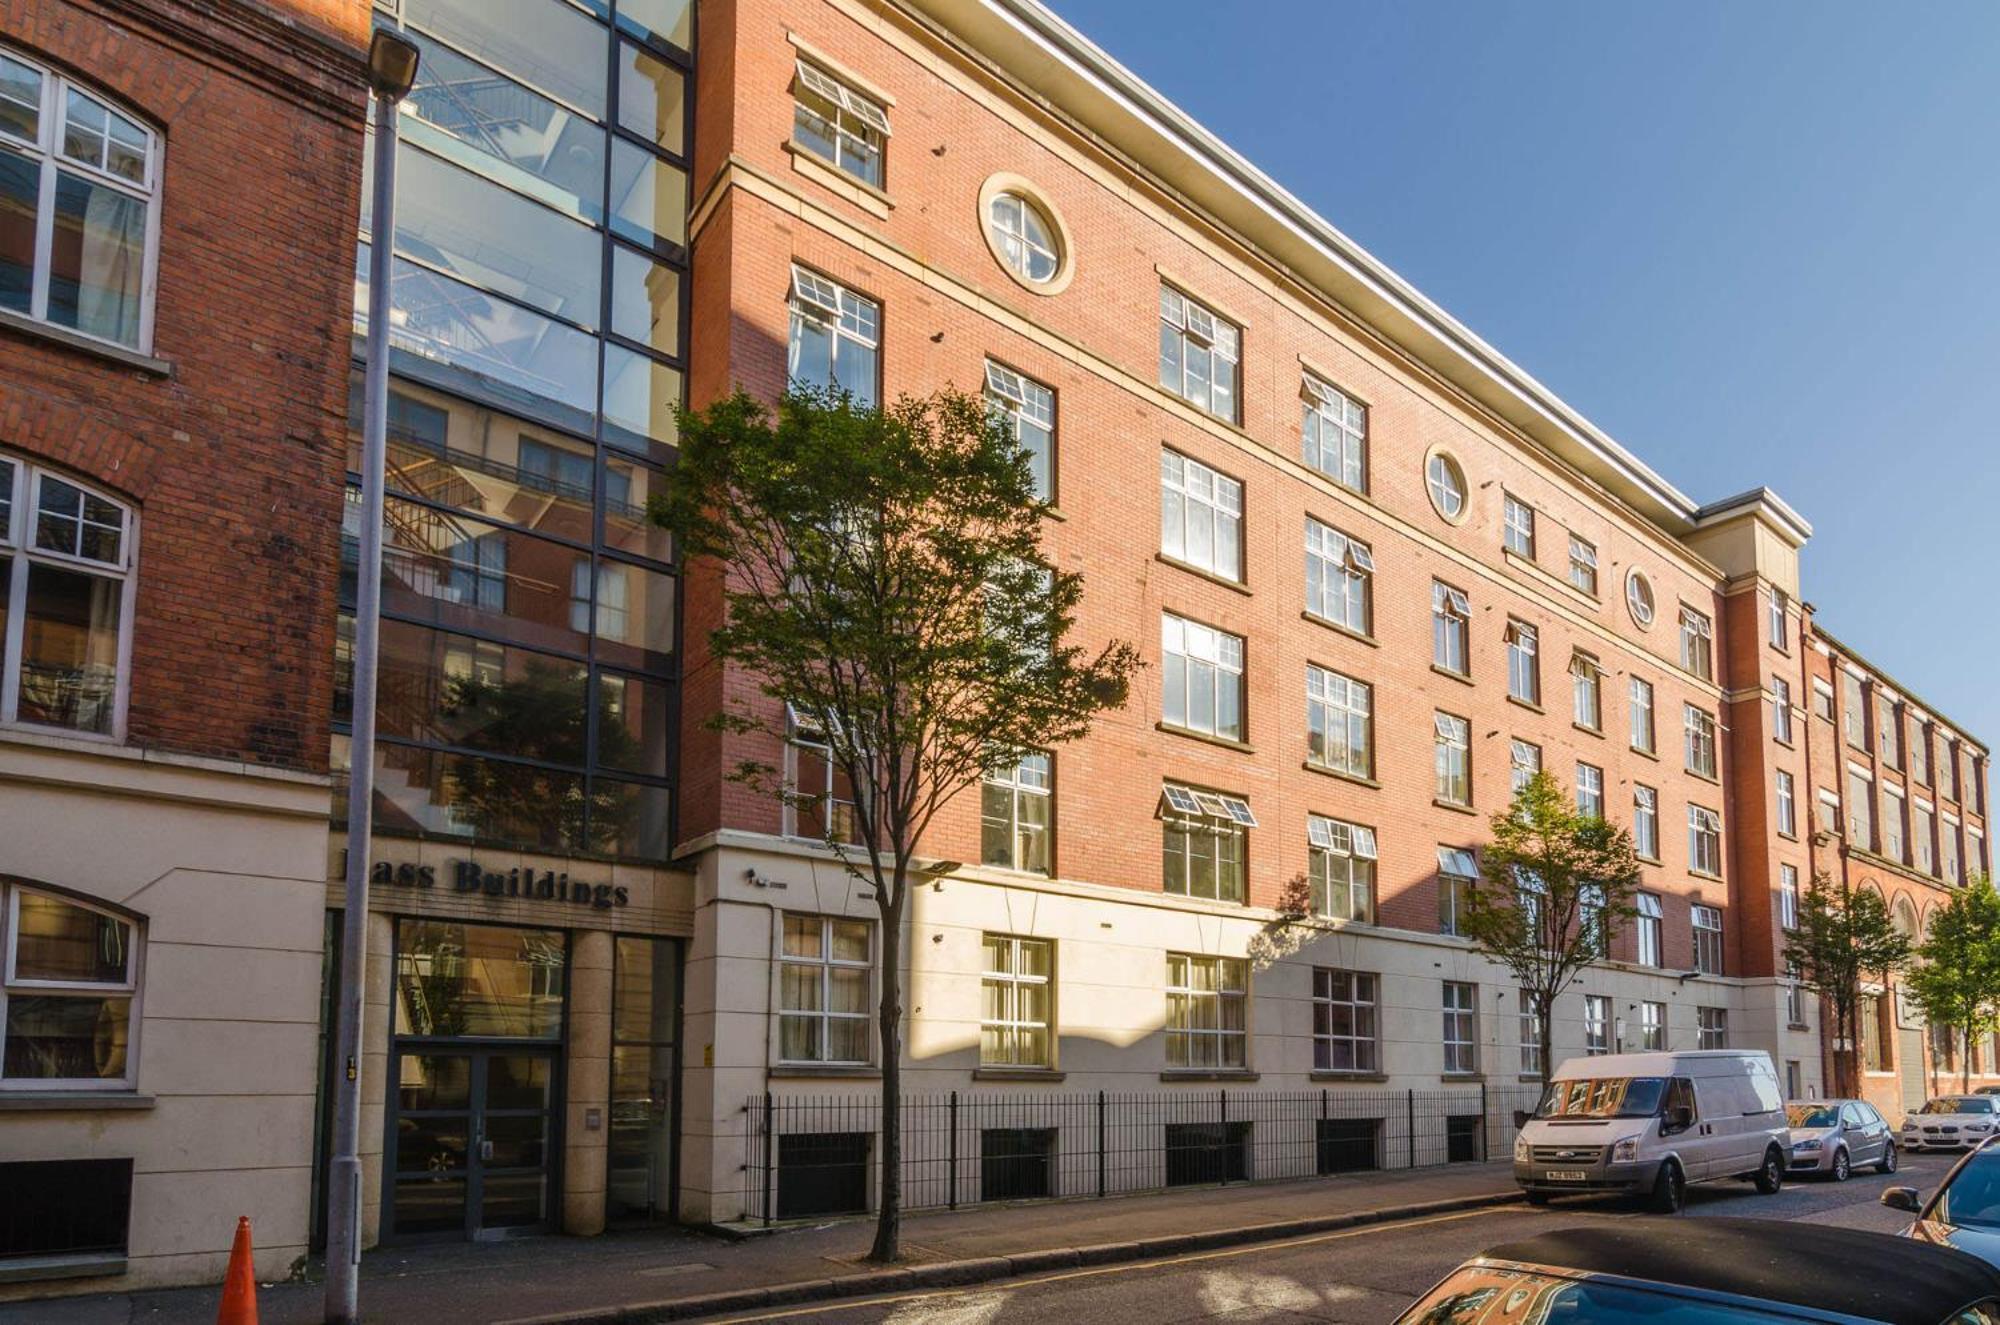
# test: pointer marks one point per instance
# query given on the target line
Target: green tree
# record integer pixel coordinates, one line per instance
(1844, 936)
(1956, 976)
(1558, 885)
(883, 575)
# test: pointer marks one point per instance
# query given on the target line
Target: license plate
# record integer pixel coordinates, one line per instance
(1567, 1175)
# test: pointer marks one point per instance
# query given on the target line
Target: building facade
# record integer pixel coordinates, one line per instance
(1379, 576)
(170, 431)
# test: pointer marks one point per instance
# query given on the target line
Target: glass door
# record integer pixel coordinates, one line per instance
(473, 1138)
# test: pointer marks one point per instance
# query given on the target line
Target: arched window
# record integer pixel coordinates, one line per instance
(65, 563)
(79, 228)
(69, 988)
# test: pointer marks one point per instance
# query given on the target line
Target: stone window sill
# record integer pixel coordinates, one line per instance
(74, 340)
(1339, 629)
(1453, 806)
(1459, 677)
(1527, 704)
(1644, 753)
(67, 1101)
(857, 191)
(812, 1072)
(1225, 742)
(1230, 1074)
(1363, 1077)
(1326, 772)
(1588, 730)
(1048, 1074)
(1204, 573)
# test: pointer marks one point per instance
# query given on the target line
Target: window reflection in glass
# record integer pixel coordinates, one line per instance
(479, 980)
(652, 97)
(632, 724)
(20, 200)
(645, 300)
(640, 396)
(648, 197)
(60, 941)
(449, 218)
(544, 43)
(627, 527)
(52, 1038)
(645, 1011)
(97, 264)
(492, 124)
(456, 690)
(667, 20)
(69, 649)
(629, 819)
(635, 617)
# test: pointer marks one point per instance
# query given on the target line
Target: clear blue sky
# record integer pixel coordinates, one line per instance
(1757, 241)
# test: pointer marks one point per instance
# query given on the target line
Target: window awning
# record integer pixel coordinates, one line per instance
(1185, 802)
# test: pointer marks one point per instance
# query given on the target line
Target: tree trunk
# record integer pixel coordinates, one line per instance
(1544, 1011)
(889, 1217)
(1965, 1060)
(1845, 1026)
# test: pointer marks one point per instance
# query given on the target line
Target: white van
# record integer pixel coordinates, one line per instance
(1650, 1124)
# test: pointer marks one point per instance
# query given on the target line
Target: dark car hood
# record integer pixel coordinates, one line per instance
(1981, 1242)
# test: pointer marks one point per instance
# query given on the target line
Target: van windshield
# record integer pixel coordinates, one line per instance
(1603, 1097)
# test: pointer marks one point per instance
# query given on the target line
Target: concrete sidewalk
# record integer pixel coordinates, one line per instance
(672, 1274)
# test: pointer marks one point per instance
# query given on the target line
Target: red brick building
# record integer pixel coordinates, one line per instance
(177, 182)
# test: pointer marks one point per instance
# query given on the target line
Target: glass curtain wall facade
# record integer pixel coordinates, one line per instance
(529, 662)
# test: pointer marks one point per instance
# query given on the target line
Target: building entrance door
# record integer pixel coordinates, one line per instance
(473, 1138)
(474, 1133)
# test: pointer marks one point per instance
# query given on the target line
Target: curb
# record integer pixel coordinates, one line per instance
(982, 1269)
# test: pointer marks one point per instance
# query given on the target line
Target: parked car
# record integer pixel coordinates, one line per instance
(1835, 1137)
(1650, 1124)
(1964, 1212)
(1987, 1090)
(1716, 1271)
(1951, 1122)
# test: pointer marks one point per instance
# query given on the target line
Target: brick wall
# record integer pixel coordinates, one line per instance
(234, 459)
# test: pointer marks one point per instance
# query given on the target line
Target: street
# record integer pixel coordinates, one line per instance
(1355, 1275)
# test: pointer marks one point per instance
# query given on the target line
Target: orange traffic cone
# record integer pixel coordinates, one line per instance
(239, 1284)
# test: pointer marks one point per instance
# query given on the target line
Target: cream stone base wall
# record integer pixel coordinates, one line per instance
(1110, 1002)
(225, 863)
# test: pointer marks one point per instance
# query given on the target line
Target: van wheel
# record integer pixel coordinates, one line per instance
(1843, 1168)
(1669, 1190)
(1772, 1175)
(1888, 1164)
(1536, 1198)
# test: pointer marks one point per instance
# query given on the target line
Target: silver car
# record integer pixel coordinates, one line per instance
(1836, 1137)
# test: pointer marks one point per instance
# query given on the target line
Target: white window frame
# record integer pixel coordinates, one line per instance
(1781, 709)
(1711, 1028)
(130, 988)
(1363, 1001)
(1779, 620)
(1524, 668)
(1221, 653)
(826, 963)
(1524, 760)
(1697, 642)
(1788, 803)
(1339, 577)
(1451, 628)
(804, 740)
(1788, 896)
(1645, 821)
(1596, 1024)
(1586, 691)
(1531, 1034)
(1342, 709)
(1651, 924)
(1459, 1003)
(1446, 482)
(1645, 736)
(858, 121)
(1010, 982)
(1517, 526)
(1453, 757)
(46, 151)
(1458, 872)
(1021, 784)
(1698, 727)
(1191, 812)
(1027, 407)
(846, 316)
(1590, 790)
(1188, 489)
(1583, 564)
(1639, 598)
(1333, 435)
(1196, 324)
(1923, 837)
(1949, 860)
(1336, 845)
(1012, 238)
(1232, 1044)
(1704, 841)
(18, 544)
(1894, 831)
(1706, 922)
(1652, 1027)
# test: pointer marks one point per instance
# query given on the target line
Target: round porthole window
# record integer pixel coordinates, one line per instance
(1639, 597)
(1025, 233)
(1446, 482)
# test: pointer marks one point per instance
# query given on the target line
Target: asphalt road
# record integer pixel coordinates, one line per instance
(1356, 1275)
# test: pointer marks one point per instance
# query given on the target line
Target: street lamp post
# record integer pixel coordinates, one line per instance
(392, 69)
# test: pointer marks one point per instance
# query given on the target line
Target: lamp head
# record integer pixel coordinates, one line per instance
(392, 65)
